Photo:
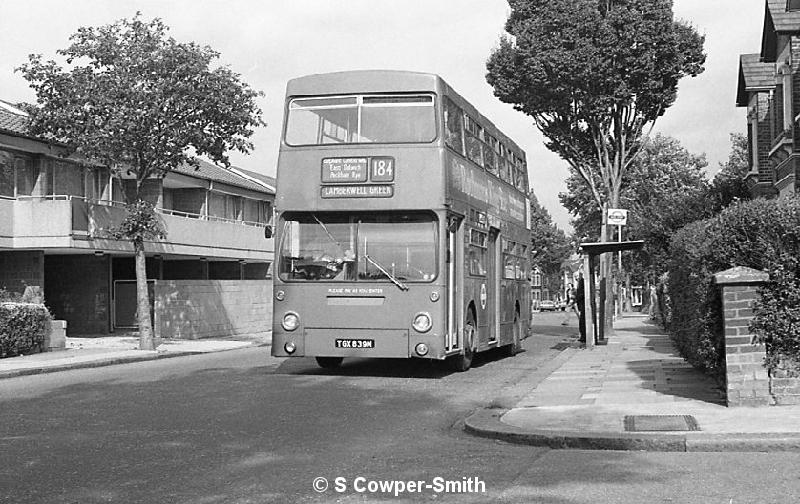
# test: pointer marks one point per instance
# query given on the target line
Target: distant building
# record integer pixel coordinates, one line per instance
(208, 277)
(769, 87)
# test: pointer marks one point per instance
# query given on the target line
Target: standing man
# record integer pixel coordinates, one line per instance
(579, 298)
(570, 300)
(651, 310)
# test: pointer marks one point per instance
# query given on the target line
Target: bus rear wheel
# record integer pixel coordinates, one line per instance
(462, 362)
(329, 362)
(516, 344)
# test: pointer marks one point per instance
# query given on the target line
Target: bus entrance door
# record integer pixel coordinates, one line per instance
(493, 284)
(453, 285)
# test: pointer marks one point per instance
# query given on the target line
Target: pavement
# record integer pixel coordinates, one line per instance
(109, 350)
(634, 393)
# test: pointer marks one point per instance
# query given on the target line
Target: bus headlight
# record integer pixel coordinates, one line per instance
(290, 347)
(422, 322)
(290, 321)
(421, 349)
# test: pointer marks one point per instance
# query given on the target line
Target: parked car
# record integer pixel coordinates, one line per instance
(547, 305)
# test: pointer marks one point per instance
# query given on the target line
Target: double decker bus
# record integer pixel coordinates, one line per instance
(402, 223)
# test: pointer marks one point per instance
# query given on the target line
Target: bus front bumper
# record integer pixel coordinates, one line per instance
(366, 343)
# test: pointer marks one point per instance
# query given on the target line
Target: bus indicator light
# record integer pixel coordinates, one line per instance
(290, 347)
(421, 349)
(434, 296)
(280, 295)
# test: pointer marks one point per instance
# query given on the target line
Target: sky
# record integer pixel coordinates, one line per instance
(269, 42)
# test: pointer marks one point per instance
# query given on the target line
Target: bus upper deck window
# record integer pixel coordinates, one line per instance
(390, 119)
(314, 121)
(361, 119)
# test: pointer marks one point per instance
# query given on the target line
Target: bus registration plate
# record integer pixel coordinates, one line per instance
(354, 343)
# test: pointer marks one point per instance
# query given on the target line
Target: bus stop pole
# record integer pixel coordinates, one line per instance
(588, 300)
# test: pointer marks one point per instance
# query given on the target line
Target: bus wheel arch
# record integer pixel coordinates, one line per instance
(463, 361)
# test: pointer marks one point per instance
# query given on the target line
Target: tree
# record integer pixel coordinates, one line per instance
(664, 190)
(728, 185)
(594, 75)
(141, 103)
(550, 246)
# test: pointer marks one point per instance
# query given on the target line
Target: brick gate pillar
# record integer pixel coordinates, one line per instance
(746, 378)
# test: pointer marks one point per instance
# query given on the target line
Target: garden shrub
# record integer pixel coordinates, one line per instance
(777, 315)
(760, 234)
(23, 327)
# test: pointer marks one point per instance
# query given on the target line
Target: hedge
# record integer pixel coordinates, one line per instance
(23, 327)
(760, 234)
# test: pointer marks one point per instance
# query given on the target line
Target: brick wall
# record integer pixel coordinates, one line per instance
(194, 309)
(77, 291)
(764, 137)
(21, 268)
(748, 382)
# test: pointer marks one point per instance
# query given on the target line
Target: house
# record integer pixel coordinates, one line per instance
(770, 89)
(209, 276)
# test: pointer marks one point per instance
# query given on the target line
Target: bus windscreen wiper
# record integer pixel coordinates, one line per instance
(391, 277)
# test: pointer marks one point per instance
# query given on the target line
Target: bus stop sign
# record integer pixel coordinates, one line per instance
(617, 216)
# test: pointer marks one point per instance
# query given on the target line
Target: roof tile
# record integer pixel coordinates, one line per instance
(757, 75)
(785, 21)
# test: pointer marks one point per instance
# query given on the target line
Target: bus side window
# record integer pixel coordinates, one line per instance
(454, 137)
(489, 157)
(505, 163)
(476, 253)
(473, 141)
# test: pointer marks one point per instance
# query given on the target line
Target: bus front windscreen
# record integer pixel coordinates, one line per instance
(361, 119)
(324, 246)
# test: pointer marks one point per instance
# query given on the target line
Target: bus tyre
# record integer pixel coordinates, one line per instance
(462, 362)
(516, 343)
(329, 362)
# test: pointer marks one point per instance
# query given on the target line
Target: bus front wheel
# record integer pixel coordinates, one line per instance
(462, 362)
(329, 362)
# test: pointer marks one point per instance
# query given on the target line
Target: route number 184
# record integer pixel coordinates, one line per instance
(382, 169)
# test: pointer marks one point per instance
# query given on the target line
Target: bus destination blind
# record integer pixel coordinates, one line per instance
(344, 170)
(358, 191)
(358, 177)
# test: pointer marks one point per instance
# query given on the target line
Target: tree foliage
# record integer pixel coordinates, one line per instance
(550, 246)
(728, 186)
(138, 101)
(592, 75)
(664, 190)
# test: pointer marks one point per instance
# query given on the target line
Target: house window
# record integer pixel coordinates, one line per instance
(793, 5)
(6, 174)
(26, 176)
(786, 80)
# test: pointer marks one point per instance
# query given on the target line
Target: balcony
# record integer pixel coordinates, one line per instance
(69, 222)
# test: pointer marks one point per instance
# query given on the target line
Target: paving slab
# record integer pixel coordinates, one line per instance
(585, 401)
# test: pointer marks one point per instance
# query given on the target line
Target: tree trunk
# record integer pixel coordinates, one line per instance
(142, 299)
(607, 296)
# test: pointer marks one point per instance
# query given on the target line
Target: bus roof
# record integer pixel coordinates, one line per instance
(387, 81)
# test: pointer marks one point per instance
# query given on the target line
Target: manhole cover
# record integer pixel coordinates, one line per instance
(643, 423)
